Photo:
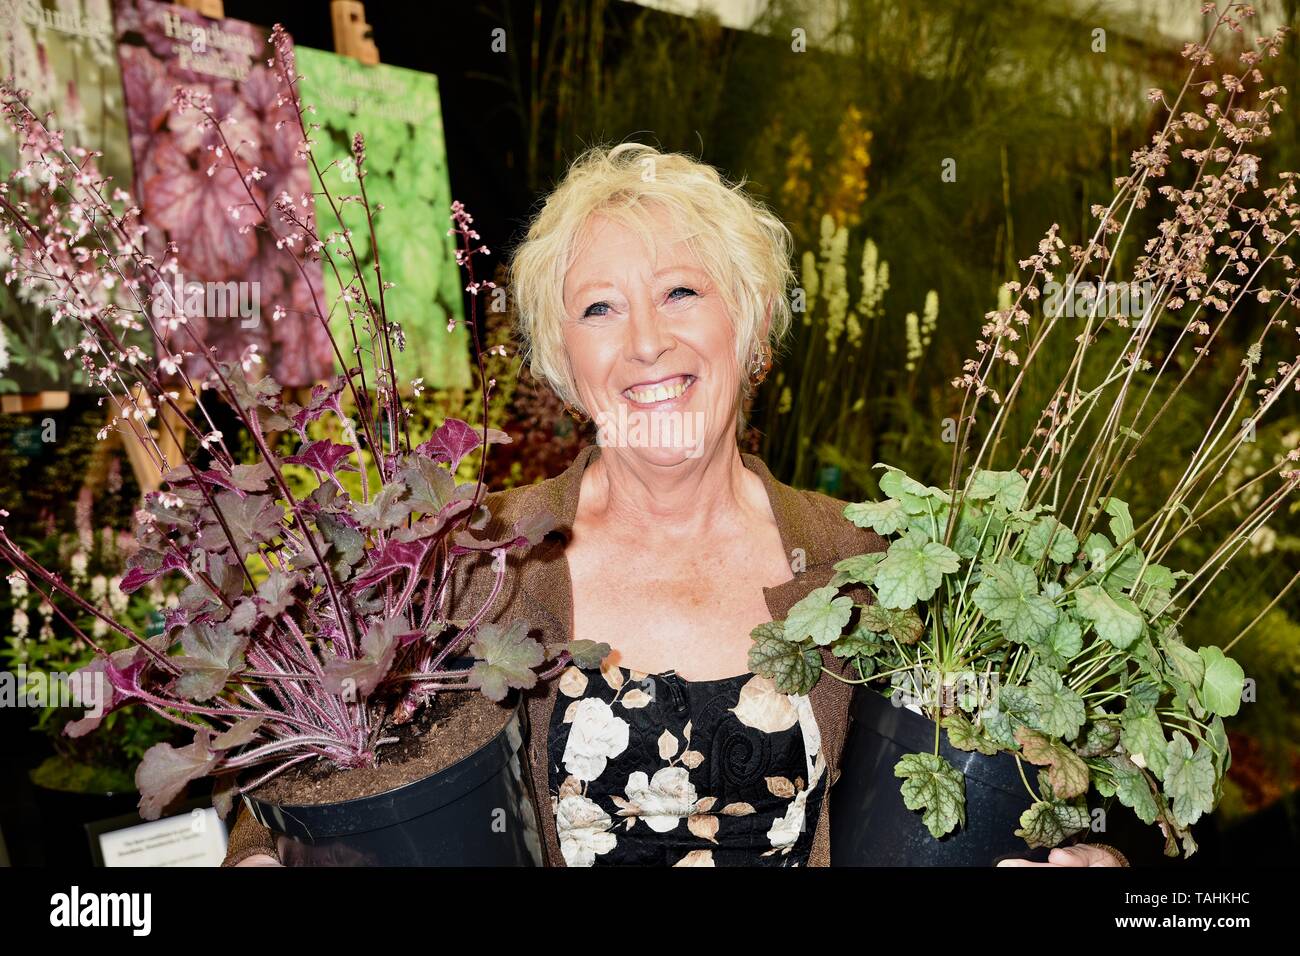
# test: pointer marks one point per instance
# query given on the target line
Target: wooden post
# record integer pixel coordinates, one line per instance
(352, 35)
(209, 8)
(36, 402)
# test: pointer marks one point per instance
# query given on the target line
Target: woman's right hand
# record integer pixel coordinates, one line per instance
(259, 859)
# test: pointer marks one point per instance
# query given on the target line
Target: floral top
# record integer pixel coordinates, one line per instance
(655, 770)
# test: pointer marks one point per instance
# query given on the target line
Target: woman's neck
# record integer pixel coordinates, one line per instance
(692, 497)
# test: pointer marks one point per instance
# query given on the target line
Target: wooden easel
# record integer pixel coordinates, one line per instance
(352, 35)
(209, 8)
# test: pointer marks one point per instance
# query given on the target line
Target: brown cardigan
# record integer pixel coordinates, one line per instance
(538, 590)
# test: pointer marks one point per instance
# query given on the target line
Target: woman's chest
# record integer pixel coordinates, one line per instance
(689, 610)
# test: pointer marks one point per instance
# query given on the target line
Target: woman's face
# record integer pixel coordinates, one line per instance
(651, 345)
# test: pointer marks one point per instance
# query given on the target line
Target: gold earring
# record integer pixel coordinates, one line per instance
(575, 413)
(760, 365)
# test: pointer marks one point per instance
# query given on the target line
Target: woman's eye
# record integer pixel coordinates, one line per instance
(681, 288)
(595, 305)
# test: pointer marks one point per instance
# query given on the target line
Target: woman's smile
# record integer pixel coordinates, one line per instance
(665, 393)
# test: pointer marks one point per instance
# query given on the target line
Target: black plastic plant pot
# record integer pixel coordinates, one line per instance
(870, 824)
(479, 811)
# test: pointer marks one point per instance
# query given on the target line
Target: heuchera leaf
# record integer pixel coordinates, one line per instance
(1133, 790)
(165, 770)
(212, 654)
(820, 615)
(587, 654)
(904, 626)
(1009, 594)
(1058, 708)
(1007, 488)
(353, 679)
(324, 456)
(1116, 619)
(882, 517)
(792, 665)
(396, 556)
(964, 735)
(506, 659)
(1047, 823)
(934, 786)
(913, 570)
(1048, 536)
(251, 520)
(1223, 682)
(453, 440)
(1189, 781)
(1068, 774)
(1143, 738)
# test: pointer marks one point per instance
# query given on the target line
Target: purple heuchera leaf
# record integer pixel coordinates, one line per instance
(117, 676)
(396, 556)
(324, 456)
(454, 440)
(506, 659)
(527, 531)
(165, 770)
(356, 678)
(146, 567)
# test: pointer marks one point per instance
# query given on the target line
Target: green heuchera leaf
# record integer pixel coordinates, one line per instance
(912, 571)
(1121, 522)
(1007, 488)
(1159, 577)
(821, 615)
(1188, 664)
(1116, 619)
(897, 484)
(903, 626)
(1144, 739)
(1189, 781)
(883, 517)
(1059, 708)
(1101, 740)
(859, 642)
(1047, 823)
(792, 666)
(1068, 774)
(964, 735)
(861, 568)
(1223, 683)
(1048, 536)
(933, 785)
(588, 654)
(1009, 594)
(1133, 790)
(1062, 643)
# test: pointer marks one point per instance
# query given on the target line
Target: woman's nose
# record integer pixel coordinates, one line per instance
(647, 336)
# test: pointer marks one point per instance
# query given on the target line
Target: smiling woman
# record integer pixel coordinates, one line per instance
(652, 291)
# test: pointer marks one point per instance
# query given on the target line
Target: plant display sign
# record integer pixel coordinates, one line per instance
(241, 272)
(399, 115)
(62, 51)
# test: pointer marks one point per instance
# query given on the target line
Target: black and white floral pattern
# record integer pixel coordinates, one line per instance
(654, 770)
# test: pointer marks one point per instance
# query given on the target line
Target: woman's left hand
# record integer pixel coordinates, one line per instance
(1079, 855)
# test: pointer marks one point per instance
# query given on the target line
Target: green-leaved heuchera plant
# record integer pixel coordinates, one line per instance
(1023, 604)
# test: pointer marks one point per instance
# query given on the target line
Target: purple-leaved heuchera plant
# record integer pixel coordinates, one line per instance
(314, 618)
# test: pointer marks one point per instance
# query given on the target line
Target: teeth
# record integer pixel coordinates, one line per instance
(651, 394)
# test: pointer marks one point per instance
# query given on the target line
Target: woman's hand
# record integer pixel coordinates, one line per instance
(1082, 854)
(259, 859)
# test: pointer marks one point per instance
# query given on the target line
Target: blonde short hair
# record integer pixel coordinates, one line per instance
(744, 248)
